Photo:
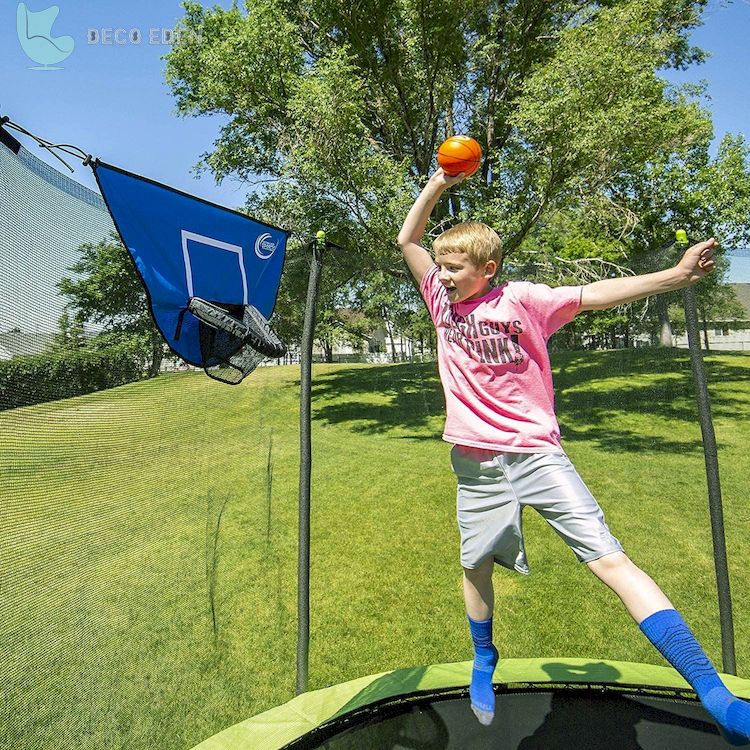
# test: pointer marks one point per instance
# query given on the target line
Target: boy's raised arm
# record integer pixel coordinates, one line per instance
(416, 257)
(694, 265)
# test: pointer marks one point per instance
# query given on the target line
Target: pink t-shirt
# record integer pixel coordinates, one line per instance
(494, 365)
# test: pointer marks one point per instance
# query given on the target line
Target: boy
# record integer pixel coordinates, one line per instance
(494, 366)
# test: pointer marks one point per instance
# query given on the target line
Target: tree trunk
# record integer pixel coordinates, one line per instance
(394, 353)
(327, 348)
(454, 200)
(157, 354)
(389, 330)
(665, 327)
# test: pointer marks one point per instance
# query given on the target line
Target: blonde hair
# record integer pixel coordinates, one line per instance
(480, 242)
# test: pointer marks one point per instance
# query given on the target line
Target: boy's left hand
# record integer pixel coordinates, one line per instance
(698, 260)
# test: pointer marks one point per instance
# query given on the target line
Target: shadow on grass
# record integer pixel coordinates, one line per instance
(575, 368)
(412, 391)
(660, 386)
(587, 413)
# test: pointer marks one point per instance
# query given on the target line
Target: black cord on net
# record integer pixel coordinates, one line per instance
(42, 143)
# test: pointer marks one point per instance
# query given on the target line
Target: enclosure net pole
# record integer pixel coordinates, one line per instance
(305, 465)
(712, 478)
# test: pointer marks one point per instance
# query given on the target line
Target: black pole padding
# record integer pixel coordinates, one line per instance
(710, 454)
(305, 465)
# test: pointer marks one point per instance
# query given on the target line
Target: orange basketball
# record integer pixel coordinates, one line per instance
(459, 153)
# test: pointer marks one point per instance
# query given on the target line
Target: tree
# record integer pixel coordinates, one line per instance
(567, 248)
(341, 105)
(707, 196)
(386, 302)
(108, 293)
(71, 333)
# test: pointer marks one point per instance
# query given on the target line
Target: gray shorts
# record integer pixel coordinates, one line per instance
(493, 490)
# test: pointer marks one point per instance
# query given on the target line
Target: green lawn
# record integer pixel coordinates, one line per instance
(109, 505)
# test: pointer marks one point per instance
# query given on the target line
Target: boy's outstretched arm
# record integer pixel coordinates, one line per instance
(416, 257)
(694, 265)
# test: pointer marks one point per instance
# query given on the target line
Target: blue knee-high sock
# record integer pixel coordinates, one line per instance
(485, 659)
(669, 633)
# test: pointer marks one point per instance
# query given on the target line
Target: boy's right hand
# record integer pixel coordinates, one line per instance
(441, 180)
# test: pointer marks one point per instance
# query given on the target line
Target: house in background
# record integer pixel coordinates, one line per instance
(383, 343)
(377, 346)
(726, 335)
(18, 343)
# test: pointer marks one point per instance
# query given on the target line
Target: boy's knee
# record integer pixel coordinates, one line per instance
(609, 563)
(483, 571)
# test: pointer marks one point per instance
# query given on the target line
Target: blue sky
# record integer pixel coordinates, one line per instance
(111, 100)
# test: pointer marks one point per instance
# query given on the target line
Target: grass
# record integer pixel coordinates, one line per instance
(110, 505)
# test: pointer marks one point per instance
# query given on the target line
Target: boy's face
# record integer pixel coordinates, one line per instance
(462, 279)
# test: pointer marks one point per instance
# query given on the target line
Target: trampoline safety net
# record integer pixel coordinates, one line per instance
(134, 506)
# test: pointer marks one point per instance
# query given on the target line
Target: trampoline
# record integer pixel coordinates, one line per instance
(542, 704)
